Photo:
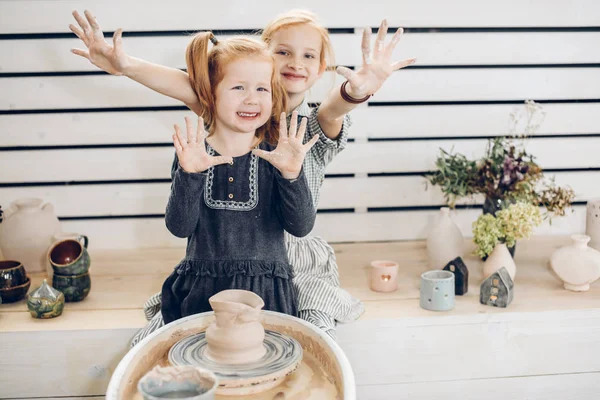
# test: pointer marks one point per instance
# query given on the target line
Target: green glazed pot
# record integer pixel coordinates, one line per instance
(45, 302)
(74, 287)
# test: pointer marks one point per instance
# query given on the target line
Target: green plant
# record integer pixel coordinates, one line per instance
(509, 225)
(456, 176)
(506, 172)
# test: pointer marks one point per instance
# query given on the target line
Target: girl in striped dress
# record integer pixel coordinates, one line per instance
(302, 51)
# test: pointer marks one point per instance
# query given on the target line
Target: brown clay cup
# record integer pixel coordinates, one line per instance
(70, 257)
(12, 273)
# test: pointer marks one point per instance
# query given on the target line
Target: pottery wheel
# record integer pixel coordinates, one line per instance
(282, 356)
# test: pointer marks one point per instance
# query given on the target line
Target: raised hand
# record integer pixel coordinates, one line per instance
(111, 59)
(376, 68)
(192, 153)
(289, 154)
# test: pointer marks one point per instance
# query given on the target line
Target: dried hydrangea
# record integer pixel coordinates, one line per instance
(509, 225)
(517, 221)
(486, 234)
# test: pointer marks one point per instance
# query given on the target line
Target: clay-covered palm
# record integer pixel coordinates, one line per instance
(376, 68)
(289, 154)
(192, 153)
(109, 58)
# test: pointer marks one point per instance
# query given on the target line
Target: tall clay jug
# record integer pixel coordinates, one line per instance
(26, 231)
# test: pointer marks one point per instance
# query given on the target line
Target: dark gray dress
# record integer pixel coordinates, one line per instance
(234, 217)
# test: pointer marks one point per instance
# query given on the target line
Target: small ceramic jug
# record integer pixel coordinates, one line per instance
(26, 231)
(236, 336)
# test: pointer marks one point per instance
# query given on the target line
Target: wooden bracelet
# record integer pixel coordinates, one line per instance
(349, 98)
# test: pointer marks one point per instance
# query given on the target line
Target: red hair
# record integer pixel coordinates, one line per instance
(205, 68)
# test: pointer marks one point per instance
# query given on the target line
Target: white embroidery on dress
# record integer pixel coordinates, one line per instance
(233, 205)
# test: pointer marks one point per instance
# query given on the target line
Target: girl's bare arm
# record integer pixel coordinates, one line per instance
(171, 82)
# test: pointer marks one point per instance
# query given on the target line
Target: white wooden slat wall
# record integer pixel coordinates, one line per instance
(51, 15)
(97, 146)
(64, 129)
(486, 48)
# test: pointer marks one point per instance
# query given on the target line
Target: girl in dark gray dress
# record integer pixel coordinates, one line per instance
(234, 194)
(300, 63)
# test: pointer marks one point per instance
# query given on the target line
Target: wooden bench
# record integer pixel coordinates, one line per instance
(545, 344)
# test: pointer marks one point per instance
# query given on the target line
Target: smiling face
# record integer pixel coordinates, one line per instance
(243, 97)
(297, 51)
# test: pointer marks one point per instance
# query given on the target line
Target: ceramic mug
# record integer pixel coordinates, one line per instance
(183, 382)
(74, 287)
(70, 256)
(12, 273)
(57, 237)
(437, 290)
(83, 239)
(383, 276)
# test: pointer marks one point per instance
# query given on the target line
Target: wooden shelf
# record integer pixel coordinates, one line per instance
(546, 335)
(122, 280)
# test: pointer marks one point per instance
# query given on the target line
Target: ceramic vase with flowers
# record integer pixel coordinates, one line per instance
(493, 234)
(506, 173)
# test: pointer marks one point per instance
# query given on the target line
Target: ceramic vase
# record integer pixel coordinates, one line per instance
(592, 223)
(499, 258)
(236, 336)
(576, 264)
(493, 205)
(445, 241)
(27, 230)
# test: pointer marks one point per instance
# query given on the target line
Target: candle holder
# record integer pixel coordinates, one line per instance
(383, 276)
(437, 290)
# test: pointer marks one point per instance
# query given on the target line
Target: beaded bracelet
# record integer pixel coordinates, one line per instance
(349, 98)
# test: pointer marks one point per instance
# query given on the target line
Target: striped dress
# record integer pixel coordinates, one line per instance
(321, 300)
